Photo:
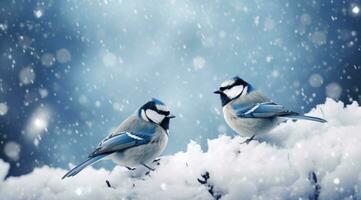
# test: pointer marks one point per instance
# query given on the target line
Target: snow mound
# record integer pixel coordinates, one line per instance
(297, 160)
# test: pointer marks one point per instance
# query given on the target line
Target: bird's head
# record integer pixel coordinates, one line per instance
(156, 112)
(232, 89)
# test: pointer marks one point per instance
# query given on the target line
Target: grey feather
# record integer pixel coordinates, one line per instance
(83, 165)
(255, 114)
(133, 142)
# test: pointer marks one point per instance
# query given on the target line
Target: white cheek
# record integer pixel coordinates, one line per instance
(154, 116)
(142, 113)
(245, 91)
(234, 91)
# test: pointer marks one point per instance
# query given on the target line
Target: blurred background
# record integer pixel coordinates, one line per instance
(71, 71)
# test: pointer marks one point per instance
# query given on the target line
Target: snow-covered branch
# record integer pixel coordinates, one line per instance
(298, 160)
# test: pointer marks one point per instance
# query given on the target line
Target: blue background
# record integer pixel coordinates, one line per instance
(93, 63)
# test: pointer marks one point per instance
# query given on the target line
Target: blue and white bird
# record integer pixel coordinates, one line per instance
(138, 140)
(249, 113)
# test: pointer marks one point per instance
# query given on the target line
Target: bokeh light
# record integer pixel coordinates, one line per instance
(71, 71)
(38, 123)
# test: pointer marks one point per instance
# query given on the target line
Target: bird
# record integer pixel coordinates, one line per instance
(138, 140)
(249, 112)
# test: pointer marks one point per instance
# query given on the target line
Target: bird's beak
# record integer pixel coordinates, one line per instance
(217, 92)
(170, 116)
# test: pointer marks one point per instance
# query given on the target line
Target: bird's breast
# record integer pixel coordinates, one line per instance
(247, 126)
(143, 153)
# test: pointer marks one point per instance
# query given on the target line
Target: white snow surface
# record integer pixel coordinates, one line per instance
(277, 166)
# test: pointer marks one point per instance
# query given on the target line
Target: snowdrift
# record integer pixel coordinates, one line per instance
(297, 160)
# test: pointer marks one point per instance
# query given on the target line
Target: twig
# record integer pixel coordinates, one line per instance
(108, 184)
(316, 186)
(210, 186)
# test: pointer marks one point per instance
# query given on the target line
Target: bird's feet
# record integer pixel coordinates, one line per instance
(150, 169)
(147, 173)
(130, 168)
(146, 166)
(247, 141)
(156, 161)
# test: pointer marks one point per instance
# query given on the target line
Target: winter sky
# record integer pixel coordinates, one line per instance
(71, 71)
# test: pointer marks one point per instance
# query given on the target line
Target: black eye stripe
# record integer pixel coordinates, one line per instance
(153, 106)
(163, 112)
(227, 87)
(160, 111)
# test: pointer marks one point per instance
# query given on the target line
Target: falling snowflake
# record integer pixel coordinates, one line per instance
(12, 150)
(3, 109)
(47, 59)
(306, 19)
(63, 55)
(27, 75)
(315, 80)
(38, 123)
(38, 13)
(43, 92)
(109, 59)
(355, 9)
(333, 90)
(198, 62)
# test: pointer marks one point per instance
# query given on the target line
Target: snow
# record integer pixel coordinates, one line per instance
(12, 150)
(319, 38)
(38, 13)
(47, 59)
(63, 55)
(95, 63)
(3, 108)
(297, 160)
(269, 58)
(355, 9)
(269, 24)
(109, 59)
(38, 122)
(275, 73)
(43, 92)
(83, 99)
(27, 75)
(306, 19)
(315, 80)
(198, 62)
(334, 90)
(3, 27)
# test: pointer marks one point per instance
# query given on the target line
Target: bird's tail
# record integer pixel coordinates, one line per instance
(305, 117)
(83, 165)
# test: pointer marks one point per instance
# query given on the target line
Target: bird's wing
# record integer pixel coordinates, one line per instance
(262, 110)
(271, 109)
(108, 146)
(121, 141)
